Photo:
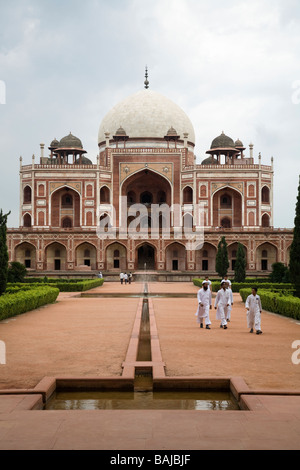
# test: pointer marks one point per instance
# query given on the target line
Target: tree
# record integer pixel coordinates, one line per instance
(3, 252)
(222, 263)
(295, 249)
(240, 264)
(280, 273)
(16, 272)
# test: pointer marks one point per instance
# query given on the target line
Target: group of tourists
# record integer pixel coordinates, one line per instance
(125, 278)
(223, 305)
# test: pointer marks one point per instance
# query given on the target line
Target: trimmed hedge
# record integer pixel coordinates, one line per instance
(54, 280)
(23, 301)
(276, 302)
(237, 286)
(77, 286)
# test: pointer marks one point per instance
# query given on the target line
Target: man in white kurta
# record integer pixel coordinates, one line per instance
(204, 304)
(229, 308)
(254, 308)
(222, 301)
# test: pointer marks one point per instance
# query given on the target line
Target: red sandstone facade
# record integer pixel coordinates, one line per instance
(65, 196)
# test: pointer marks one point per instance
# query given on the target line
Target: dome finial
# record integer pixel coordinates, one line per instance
(146, 78)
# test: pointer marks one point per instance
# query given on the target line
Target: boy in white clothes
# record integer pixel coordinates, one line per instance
(208, 282)
(204, 304)
(226, 280)
(254, 308)
(222, 301)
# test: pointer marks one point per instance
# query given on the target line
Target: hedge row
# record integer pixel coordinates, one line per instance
(52, 280)
(236, 286)
(276, 302)
(63, 286)
(23, 301)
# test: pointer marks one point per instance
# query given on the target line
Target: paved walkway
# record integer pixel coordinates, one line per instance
(89, 337)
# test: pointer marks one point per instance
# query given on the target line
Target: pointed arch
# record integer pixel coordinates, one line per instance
(25, 253)
(176, 257)
(56, 256)
(27, 220)
(86, 255)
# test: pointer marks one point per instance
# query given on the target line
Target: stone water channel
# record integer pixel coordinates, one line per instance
(143, 396)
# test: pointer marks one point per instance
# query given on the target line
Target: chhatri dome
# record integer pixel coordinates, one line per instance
(146, 116)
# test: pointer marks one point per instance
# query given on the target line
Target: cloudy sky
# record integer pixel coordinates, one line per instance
(232, 66)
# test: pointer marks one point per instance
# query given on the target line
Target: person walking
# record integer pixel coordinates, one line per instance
(229, 308)
(204, 305)
(254, 308)
(121, 277)
(208, 282)
(130, 277)
(226, 280)
(125, 278)
(222, 301)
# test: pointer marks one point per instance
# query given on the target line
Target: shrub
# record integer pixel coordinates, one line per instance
(280, 272)
(16, 272)
(66, 285)
(237, 286)
(23, 301)
(77, 286)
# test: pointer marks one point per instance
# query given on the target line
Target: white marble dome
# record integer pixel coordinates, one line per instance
(147, 115)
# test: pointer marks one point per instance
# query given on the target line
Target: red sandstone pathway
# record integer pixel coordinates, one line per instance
(90, 336)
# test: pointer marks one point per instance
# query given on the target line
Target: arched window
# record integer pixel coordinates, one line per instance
(104, 195)
(87, 253)
(225, 201)
(225, 222)
(161, 197)
(131, 197)
(264, 254)
(188, 222)
(187, 195)
(105, 222)
(116, 259)
(265, 195)
(265, 220)
(27, 195)
(67, 200)
(27, 253)
(27, 220)
(57, 253)
(67, 222)
(204, 254)
(146, 198)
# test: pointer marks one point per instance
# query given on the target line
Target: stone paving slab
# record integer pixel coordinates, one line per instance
(149, 429)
